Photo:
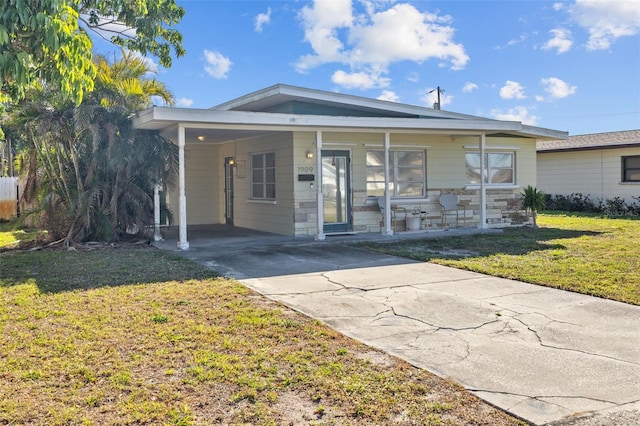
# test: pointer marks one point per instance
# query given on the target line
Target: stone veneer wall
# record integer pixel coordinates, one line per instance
(503, 210)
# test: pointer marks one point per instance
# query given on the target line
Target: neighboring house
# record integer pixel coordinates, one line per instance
(302, 162)
(602, 165)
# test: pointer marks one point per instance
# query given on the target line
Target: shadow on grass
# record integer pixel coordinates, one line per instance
(512, 241)
(60, 270)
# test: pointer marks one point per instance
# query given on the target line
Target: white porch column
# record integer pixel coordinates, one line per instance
(183, 244)
(387, 196)
(483, 188)
(156, 214)
(320, 200)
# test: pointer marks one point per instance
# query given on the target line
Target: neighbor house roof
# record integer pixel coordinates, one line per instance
(289, 108)
(592, 141)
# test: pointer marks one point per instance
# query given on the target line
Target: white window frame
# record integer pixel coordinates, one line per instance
(489, 168)
(262, 170)
(393, 175)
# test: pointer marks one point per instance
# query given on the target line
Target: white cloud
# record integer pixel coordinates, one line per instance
(413, 77)
(388, 95)
(218, 65)
(521, 39)
(359, 80)
(561, 41)
(558, 6)
(151, 65)
(519, 113)
(469, 87)
(606, 21)
(107, 27)
(378, 37)
(557, 88)
(404, 33)
(321, 23)
(512, 90)
(184, 102)
(262, 19)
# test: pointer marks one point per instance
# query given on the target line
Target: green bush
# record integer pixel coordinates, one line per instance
(578, 202)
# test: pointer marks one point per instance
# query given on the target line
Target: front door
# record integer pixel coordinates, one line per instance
(228, 190)
(336, 191)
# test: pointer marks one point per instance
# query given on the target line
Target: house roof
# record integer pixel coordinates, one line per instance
(271, 97)
(592, 141)
(289, 108)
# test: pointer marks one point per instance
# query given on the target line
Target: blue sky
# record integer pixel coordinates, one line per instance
(571, 65)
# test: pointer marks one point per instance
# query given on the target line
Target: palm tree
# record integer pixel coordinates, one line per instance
(42, 126)
(125, 164)
(533, 201)
(95, 173)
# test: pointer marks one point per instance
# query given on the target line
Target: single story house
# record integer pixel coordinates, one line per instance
(602, 165)
(304, 162)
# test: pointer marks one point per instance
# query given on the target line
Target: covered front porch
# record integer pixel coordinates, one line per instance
(312, 164)
(215, 178)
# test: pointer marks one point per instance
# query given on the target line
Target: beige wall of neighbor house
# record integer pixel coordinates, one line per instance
(596, 172)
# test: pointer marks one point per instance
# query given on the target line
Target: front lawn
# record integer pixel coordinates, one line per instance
(12, 235)
(582, 253)
(141, 336)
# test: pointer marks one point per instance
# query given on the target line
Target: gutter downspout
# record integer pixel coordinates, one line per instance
(320, 236)
(183, 244)
(483, 188)
(387, 197)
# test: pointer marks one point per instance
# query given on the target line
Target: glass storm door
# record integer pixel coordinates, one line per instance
(228, 190)
(336, 191)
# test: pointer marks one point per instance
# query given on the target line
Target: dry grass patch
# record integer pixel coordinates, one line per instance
(139, 336)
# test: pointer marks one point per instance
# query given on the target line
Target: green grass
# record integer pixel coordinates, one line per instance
(12, 235)
(581, 253)
(140, 336)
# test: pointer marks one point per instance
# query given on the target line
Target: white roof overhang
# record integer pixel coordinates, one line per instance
(264, 99)
(223, 125)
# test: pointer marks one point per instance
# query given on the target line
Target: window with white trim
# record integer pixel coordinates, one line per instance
(631, 168)
(263, 176)
(499, 168)
(407, 173)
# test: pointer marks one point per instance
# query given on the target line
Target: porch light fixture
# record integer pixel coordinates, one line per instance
(309, 154)
(232, 162)
(200, 138)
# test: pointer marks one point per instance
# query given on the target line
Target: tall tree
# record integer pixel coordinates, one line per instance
(47, 40)
(94, 173)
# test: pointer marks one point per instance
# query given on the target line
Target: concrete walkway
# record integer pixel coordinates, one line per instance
(545, 355)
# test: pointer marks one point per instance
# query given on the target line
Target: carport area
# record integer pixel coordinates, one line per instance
(242, 253)
(544, 355)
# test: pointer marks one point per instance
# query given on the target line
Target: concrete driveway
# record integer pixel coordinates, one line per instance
(545, 355)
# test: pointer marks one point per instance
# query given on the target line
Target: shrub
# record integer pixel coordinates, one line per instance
(578, 202)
